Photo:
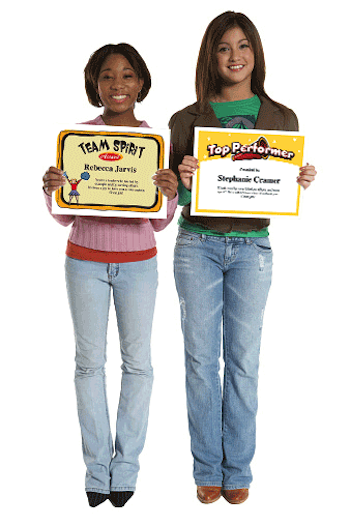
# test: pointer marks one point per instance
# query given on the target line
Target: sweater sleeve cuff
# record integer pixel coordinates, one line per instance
(185, 196)
(172, 205)
(64, 220)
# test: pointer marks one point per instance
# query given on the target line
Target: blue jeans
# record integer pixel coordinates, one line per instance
(222, 285)
(89, 286)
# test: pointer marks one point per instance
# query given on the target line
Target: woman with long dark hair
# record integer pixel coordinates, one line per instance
(223, 265)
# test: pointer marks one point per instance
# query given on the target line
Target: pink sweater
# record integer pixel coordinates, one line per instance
(110, 234)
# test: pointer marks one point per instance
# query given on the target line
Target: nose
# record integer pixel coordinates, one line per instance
(235, 54)
(118, 82)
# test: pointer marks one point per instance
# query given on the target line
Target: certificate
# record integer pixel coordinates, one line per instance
(249, 173)
(109, 173)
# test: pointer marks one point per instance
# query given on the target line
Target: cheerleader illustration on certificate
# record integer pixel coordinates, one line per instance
(74, 184)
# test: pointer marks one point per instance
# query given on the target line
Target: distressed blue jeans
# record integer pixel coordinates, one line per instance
(222, 283)
(89, 286)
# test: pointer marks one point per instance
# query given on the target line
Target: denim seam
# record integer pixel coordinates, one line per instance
(225, 375)
(123, 489)
(101, 491)
(208, 483)
(219, 417)
(236, 487)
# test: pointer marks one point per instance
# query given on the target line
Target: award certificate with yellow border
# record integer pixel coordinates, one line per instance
(248, 173)
(109, 171)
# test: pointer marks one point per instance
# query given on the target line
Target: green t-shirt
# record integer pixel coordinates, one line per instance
(241, 114)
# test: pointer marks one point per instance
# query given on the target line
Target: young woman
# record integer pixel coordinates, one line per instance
(117, 254)
(223, 265)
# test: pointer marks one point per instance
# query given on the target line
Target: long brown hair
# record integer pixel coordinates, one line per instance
(207, 77)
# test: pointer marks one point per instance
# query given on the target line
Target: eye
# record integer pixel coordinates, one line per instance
(130, 75)
(223, 49)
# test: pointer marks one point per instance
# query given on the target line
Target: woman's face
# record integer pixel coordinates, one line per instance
(118, 85)
(235, 58)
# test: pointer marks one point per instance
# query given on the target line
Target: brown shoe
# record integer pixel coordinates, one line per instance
(236, 496)
(208, 494)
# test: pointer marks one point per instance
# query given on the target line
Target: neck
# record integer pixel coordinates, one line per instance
(233, 93)
(127, 119)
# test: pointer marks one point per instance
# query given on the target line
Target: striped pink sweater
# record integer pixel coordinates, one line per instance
(112, 234)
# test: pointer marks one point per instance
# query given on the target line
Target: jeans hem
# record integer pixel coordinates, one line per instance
(100, 491)
(123, 489)
(209, 484)
(236, 487)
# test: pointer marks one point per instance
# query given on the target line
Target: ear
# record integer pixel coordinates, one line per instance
(141, 82)
(98, 98)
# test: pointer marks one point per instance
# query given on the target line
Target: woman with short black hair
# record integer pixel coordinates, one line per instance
(113, 255)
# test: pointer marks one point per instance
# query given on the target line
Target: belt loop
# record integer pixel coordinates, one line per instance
(113, 270)
(109, 271)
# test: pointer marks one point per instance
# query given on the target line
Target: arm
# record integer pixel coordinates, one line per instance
(291, 120)
(307, 173)
(159, 224)
(181, 145)
(184, 194)
(53, 180)
(166, 181)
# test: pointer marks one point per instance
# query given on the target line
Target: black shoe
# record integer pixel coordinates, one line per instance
(96, 498)
(118, 499)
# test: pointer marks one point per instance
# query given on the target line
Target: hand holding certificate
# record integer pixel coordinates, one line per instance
(246, 173)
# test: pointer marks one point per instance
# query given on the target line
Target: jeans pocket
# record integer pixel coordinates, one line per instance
(262, 244)
(187, 238)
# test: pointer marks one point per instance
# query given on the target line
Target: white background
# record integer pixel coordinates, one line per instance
(302, 459)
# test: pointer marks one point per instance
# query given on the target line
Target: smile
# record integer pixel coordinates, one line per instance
(119, 98)
(236, 68)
